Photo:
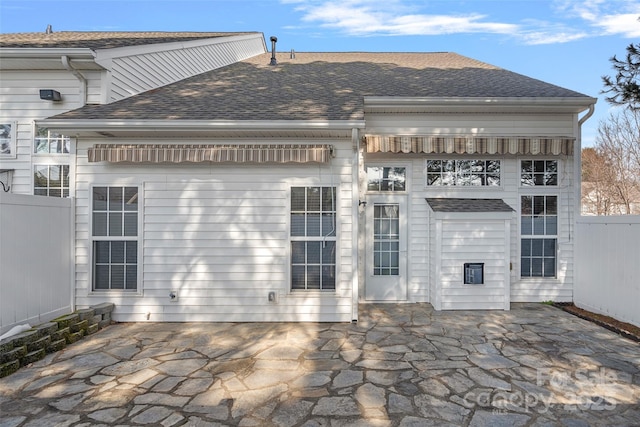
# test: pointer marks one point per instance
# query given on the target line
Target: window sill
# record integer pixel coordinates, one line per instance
(118, 293)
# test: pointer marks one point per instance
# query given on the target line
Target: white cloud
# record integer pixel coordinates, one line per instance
(570, 20)
(366, 18)
(626, 24)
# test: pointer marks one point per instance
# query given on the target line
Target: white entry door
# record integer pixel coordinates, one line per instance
(386, 248)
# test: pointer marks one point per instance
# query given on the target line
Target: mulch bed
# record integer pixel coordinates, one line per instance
(625, 329)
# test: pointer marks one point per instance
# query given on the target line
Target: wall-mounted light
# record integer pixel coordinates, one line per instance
(50, 95)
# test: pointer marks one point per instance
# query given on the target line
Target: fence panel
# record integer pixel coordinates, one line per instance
(36, 262)
(608, 266)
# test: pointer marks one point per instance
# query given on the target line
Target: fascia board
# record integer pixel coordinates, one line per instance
(119, 52)
(473, 104)
(473, 215)
(194, 125)
(74, 53)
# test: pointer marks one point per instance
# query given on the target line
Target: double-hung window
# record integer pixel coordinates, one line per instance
(538, 236)
(538, 173)
(115, 238)
(313, 238)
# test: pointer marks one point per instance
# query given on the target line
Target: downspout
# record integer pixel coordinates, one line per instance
(577, 162)
(79, 76)
(592, 109)
(355, 213)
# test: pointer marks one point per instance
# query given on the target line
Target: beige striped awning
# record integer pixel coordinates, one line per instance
(470, 145)
(180, 153)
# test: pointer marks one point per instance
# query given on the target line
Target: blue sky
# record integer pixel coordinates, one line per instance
(564, 42)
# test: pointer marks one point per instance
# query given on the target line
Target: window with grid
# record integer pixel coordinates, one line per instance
(538, 236)
(48, 142)
(7, 139)
(475, 173)
(313, 238)
(386, 178)
(51, 180)
(538, 173)
(115, 238)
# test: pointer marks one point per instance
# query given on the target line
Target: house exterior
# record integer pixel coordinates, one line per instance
(296, 191)
(89, 68)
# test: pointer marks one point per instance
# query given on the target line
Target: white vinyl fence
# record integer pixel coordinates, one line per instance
(608, 266)
(36, 263)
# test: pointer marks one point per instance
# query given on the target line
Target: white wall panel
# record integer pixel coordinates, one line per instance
(218, 234)
(608, 266)
(36, 261)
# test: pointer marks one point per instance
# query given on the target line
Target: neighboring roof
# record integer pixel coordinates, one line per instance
(320, 86)
(101, 40)
(468, 205)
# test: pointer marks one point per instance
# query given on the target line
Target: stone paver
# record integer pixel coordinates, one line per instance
(400, 365)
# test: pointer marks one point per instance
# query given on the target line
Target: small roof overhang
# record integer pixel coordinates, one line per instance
(459, 208)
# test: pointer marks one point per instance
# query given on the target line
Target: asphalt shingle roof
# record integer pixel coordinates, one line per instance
(100, 39)
(468, 205)
(319, 86)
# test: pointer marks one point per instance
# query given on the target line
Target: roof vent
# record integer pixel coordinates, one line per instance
(49, 30)
(273, 39)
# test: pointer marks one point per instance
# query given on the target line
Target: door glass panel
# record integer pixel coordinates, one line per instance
(386, 240)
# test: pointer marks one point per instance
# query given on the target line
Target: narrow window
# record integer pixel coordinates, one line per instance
(51, 180)
(313, 238)
(115, 238)
(539, 236)
(538, 173)
(8, 139)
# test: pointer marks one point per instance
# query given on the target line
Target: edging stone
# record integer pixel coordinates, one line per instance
(32, 345)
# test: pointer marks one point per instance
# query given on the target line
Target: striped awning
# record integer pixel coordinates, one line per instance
(180, 153)
(470, 145)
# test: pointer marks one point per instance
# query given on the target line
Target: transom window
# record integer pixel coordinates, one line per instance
(48, 142)
(539, 235)
(115, 238)
(476, 173)
(538, 173)
(313, 238)
(386, 178)
(51, 180)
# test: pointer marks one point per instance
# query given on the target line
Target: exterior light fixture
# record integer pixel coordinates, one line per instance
(50, 95)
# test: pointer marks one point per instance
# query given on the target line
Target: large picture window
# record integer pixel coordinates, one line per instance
(313, 238)
(475, 173)
(115, 238)
(539, 236)
(51, 180)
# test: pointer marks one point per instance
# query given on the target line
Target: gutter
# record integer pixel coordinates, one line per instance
(592, 109)
(79, 76)
(196, 125)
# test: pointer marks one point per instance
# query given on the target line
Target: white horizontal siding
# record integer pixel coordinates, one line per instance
(473, 241)
(20, 101)
(218, 235)
(472, 124)
(141, 72)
